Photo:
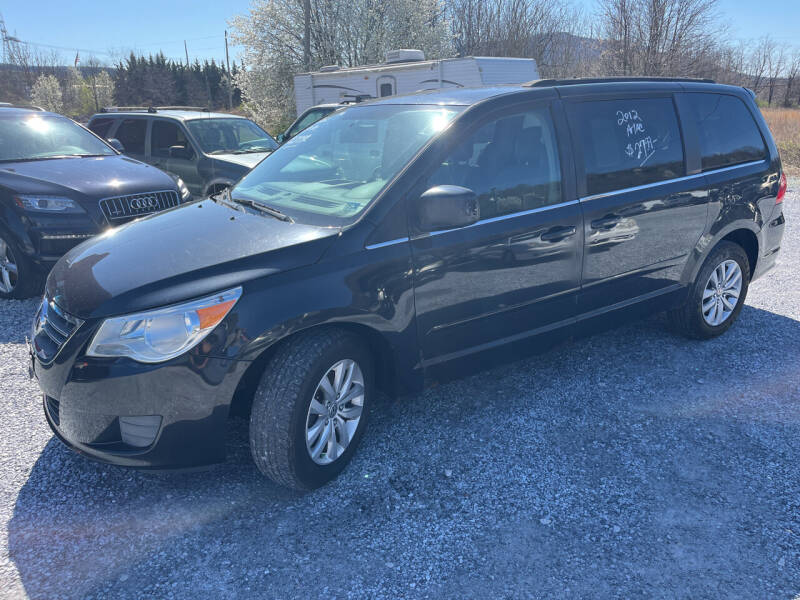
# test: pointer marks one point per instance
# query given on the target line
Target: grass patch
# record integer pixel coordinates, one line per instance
(785, 126)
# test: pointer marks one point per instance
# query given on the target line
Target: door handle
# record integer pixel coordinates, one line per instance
(608, 222)
(558, 233)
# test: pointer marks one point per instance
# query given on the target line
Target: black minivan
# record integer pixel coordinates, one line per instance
(393, 240)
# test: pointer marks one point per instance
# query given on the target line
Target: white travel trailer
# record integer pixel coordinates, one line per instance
(406, 72)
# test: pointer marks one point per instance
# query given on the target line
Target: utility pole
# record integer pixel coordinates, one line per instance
(228, 66)
(307, 35)
(185, 49)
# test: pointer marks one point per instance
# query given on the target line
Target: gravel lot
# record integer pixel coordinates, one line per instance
(633, 463)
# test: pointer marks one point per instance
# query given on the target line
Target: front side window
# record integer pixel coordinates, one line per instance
(511, 163)
(38, 137)
(309, 119)
(131, 133)
(164, 135)
(329, 173)
(728, 134)
(230, 136)
(101, 126)
(627, 142)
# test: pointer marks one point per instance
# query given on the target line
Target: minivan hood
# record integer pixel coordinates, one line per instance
(95, 177)
(249, 160)
(183, 253)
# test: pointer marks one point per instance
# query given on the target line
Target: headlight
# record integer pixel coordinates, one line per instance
(182, 189)
(52, 204)
(158, 335)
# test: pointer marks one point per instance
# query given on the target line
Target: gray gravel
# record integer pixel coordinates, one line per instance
(633, 463)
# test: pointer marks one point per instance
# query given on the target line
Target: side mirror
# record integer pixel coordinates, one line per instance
(280, 138)
(180, 152)
(447, 207)
(116, 145)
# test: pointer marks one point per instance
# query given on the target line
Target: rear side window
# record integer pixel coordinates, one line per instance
(131, 133)
(626, 143)
(101, 126)
(728, 134)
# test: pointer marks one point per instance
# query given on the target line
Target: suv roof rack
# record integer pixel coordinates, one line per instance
(16, 105)
(150, 109)
(581, 80)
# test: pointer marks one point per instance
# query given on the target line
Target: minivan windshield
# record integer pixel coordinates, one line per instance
(230, 136)
(330, 172)
(39, 137)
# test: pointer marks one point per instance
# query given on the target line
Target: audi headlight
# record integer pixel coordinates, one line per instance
(51, 204)
(157, 335)
(182, 189)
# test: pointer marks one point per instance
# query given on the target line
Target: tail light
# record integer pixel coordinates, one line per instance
(781, 189)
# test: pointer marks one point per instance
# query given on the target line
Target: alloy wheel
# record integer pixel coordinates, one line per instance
(9, 271)
(721, 293)
(334, 412)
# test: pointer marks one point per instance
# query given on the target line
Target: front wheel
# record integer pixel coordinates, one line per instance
(310, 409)
(717, 295)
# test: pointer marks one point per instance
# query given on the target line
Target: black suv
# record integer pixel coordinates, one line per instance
(395, 240)
(208, 151)
(59, 185)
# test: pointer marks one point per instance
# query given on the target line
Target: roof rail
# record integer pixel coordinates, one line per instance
(16, 105)
(582, 80)
(150, 109)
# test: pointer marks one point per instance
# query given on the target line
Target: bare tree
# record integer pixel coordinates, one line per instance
(758, 63)
(660, 37)
(776, 61)
(792, 72)
(348, 33)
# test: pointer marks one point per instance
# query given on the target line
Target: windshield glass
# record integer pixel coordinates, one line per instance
(230, 136)
(329, 173)
(41, 136)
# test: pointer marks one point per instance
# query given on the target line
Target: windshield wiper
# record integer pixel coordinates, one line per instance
(267, 210)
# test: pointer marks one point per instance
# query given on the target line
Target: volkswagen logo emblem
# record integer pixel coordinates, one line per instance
(144, 203)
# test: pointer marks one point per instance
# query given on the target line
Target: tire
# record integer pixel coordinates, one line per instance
(19, 277)
(282, 412)
(690, 319)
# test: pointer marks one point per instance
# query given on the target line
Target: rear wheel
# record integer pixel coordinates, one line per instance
(310, 408)
(717, 295)
(18, 275)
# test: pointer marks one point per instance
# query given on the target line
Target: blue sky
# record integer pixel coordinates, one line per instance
(113, 28)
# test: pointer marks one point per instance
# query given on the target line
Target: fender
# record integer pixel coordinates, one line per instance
(369, 292)
(12, 226)
(708, 242)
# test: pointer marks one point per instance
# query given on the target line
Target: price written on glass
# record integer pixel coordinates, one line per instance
(641, 146)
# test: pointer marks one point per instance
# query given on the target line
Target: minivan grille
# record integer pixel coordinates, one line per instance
(51, 330)
(121, 208)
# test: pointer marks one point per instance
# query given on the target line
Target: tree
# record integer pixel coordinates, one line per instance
(350, 33)
(792, 72)
(660, 37)
(102, 89)
(46, 93)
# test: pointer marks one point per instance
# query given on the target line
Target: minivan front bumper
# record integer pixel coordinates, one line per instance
(167, 416)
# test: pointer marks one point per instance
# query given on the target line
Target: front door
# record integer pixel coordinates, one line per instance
(166, 134)
(517, 270)
(642, 214)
